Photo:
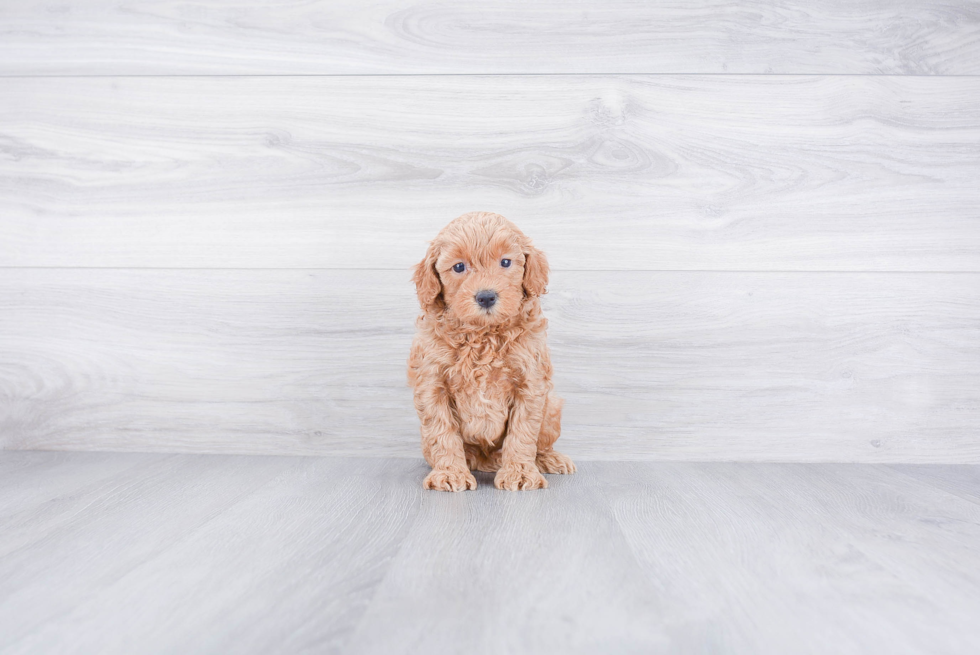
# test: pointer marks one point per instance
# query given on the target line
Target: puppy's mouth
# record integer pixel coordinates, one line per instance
(485, 315)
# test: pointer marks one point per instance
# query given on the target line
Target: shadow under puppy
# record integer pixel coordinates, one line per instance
(479, 364)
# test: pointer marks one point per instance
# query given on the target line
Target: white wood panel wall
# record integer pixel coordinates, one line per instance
(208, 211)
(679, 365)
(675, 172)
(317, 37)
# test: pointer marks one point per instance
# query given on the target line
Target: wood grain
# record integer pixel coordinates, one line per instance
(831, 558)
(962, 481)
(873, 367)
(33, 479)
(109, 37)
(492, 572)
(204, 554)
(606, 173)
(290, 567)
(55, 558)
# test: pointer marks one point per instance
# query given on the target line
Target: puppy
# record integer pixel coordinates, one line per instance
(479, 364)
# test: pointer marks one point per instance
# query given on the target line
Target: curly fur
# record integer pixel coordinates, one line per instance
(482, 377)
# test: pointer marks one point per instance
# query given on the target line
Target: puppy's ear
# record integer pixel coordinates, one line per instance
(535, 271)
(427, 282)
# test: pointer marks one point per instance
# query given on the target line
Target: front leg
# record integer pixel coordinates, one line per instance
(442, 444)
(518, 469)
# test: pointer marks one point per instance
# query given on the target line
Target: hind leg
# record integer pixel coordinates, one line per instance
(548, 459)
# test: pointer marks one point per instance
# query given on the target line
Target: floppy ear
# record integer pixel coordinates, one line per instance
(535, 271)
(427, 282)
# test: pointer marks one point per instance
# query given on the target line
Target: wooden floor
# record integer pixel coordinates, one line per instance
(124, 553)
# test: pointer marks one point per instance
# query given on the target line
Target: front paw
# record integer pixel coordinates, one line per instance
(520, 477)
(449, 480)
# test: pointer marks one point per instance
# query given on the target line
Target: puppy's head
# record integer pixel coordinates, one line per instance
(480, 269)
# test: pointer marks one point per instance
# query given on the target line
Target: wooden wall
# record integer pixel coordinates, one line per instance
(763, 220)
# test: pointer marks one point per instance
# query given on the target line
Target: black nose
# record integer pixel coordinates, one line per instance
(486, 299)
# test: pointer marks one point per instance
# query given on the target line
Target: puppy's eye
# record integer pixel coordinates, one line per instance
(505, 263)
(460, 267)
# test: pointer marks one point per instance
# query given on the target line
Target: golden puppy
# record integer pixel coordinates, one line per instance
(479, 364)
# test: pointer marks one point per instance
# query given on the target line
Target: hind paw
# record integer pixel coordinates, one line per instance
(554, 462)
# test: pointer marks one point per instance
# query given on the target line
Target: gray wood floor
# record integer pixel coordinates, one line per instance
(123, 553)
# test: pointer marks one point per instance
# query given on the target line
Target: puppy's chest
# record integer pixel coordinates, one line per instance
(482, 389)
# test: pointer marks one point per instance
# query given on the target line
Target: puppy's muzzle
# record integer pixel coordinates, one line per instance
(485, 298)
